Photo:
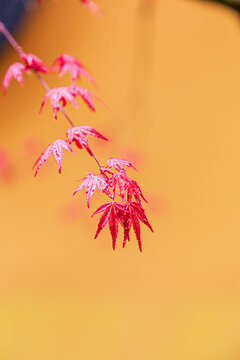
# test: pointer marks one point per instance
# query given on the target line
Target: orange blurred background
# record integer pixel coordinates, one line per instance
(170, 72)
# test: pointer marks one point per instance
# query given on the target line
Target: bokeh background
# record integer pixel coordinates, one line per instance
(170, 72)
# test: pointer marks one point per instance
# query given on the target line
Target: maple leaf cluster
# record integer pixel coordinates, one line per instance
(125, 197)
(128, 212)
(113, 184)
(60, 95)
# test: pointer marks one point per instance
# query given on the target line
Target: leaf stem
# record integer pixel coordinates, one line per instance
(20, 52)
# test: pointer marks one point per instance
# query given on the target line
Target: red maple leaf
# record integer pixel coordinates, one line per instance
(133, 189)
(92, 6)
(33, 62)
(54, 148)
(120, 180)
(78, 135)
(67, 63)
(14, 71)
(58, 95)
(125, 221)
(91, 182)
(112, 212)
(119, 164)
(133, 213)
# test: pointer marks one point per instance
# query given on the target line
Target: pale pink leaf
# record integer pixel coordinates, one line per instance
(85, 95)
(78, 135)
(92, 182)
(54, 148)
(58, 96)
(14, 71)
(119, 164)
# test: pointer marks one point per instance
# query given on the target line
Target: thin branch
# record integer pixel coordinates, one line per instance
(10, 39)
(20, 52)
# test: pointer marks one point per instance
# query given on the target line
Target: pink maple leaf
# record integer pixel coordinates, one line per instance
(119, 164)
(67, 63)
(78, 135)
(33, 62)
(57, 95)
(92, 6)
(14, 71)
(91, 182)
(133, 213)
(112, 212)
(54, 148)
(85, 95)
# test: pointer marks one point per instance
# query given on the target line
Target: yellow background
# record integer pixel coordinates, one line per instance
(170, 72)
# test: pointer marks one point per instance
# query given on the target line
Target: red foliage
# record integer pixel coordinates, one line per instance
(34, 63)
(127, 214)
(112, 180)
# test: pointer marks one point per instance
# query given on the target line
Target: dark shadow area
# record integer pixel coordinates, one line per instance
(11, 13)
(232, 4)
